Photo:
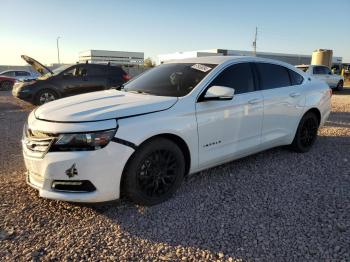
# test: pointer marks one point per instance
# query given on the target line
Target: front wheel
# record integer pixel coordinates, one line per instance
(306, 133)
(340, 85)
(154, 172)
(45, 96)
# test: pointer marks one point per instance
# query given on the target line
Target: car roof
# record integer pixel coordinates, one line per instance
(223, 59)
(14, 70)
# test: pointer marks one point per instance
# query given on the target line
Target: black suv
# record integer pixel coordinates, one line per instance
(67, 80)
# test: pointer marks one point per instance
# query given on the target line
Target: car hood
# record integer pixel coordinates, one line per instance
(40, 68)
(102, 105)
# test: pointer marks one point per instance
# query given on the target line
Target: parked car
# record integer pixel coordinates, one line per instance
(324, 73)
(175, 119)
(19, 74)
(67, 80)
(6, 82)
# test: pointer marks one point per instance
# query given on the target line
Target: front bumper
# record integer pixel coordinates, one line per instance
(103, 168)
(21, 94)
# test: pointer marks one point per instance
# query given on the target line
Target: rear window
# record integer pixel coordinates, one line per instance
(295, 78)
(116, 71)
(272, 76)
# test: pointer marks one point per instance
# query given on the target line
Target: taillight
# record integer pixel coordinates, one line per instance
(126, 77)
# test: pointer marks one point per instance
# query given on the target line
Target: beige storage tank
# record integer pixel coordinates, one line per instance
(322, 57)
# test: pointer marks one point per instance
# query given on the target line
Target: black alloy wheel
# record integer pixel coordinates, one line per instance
(157, 173)
(154, 172)
(306, 134)
(340, 85)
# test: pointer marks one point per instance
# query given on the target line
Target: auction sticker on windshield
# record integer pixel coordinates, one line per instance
(200, 67)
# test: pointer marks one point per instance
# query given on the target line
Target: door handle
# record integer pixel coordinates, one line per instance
(254, 101)
(295, 94)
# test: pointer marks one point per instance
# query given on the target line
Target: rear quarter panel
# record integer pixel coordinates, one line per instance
(317, 95)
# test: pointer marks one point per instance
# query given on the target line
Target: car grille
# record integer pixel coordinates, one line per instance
(36, 143)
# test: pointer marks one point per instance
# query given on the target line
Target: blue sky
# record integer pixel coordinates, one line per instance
(156, 27)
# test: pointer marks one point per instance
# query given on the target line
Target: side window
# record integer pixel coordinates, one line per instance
(272, 76)
(82, 71)
(295, 78)
(76, 71)
(9, 73)
(71, 71)
(22, 73)
(318, 70)
(326, 70)
(239, 77)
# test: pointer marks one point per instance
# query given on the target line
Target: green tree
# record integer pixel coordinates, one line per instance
(149, 62)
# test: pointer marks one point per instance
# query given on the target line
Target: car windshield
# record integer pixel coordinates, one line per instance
(55, 71)
(177, 79)
(60, 69)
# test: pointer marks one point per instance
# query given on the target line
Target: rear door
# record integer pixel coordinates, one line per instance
(283, 102)
(95, 77)
(229, 128)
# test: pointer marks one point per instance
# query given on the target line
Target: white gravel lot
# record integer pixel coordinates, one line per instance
(273, 206)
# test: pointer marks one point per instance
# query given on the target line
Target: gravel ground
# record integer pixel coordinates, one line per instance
(273, 206)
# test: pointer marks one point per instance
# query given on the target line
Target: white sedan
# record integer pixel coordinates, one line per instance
(322, 72)
(173, 120)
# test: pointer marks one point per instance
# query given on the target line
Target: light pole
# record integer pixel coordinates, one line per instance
(58, 50)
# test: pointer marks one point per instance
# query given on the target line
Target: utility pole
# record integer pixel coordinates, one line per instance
(255, 38)
(58, 50)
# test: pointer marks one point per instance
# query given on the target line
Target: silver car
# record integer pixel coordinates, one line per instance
(19, 74)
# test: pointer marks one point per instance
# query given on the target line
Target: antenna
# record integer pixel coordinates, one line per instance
(254, 42)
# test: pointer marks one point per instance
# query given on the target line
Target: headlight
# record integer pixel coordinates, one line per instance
(82, 141)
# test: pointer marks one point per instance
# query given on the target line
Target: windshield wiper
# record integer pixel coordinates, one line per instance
(138, 92)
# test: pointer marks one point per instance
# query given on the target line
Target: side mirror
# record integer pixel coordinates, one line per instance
(219, 93)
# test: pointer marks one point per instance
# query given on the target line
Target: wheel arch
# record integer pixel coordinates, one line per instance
(172, 137)
(315, 111)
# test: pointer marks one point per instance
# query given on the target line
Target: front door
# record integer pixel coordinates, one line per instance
(230, 128)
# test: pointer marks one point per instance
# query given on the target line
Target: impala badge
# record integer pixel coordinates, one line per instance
(72, 171)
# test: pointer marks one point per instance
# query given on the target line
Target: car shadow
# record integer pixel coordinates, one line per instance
(338, 119)
(270, 203)
(345, 91)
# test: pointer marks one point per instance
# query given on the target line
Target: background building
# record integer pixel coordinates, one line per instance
(293, 59)
(114, 57)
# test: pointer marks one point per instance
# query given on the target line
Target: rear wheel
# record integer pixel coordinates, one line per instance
(154, 172)
(45, 96)
(340, 85)
(306, 133)
(6, 85)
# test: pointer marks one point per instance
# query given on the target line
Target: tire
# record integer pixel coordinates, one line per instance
(154, 172)
(306, 133)
(45, 96)
(340, 86)
(6, 85)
